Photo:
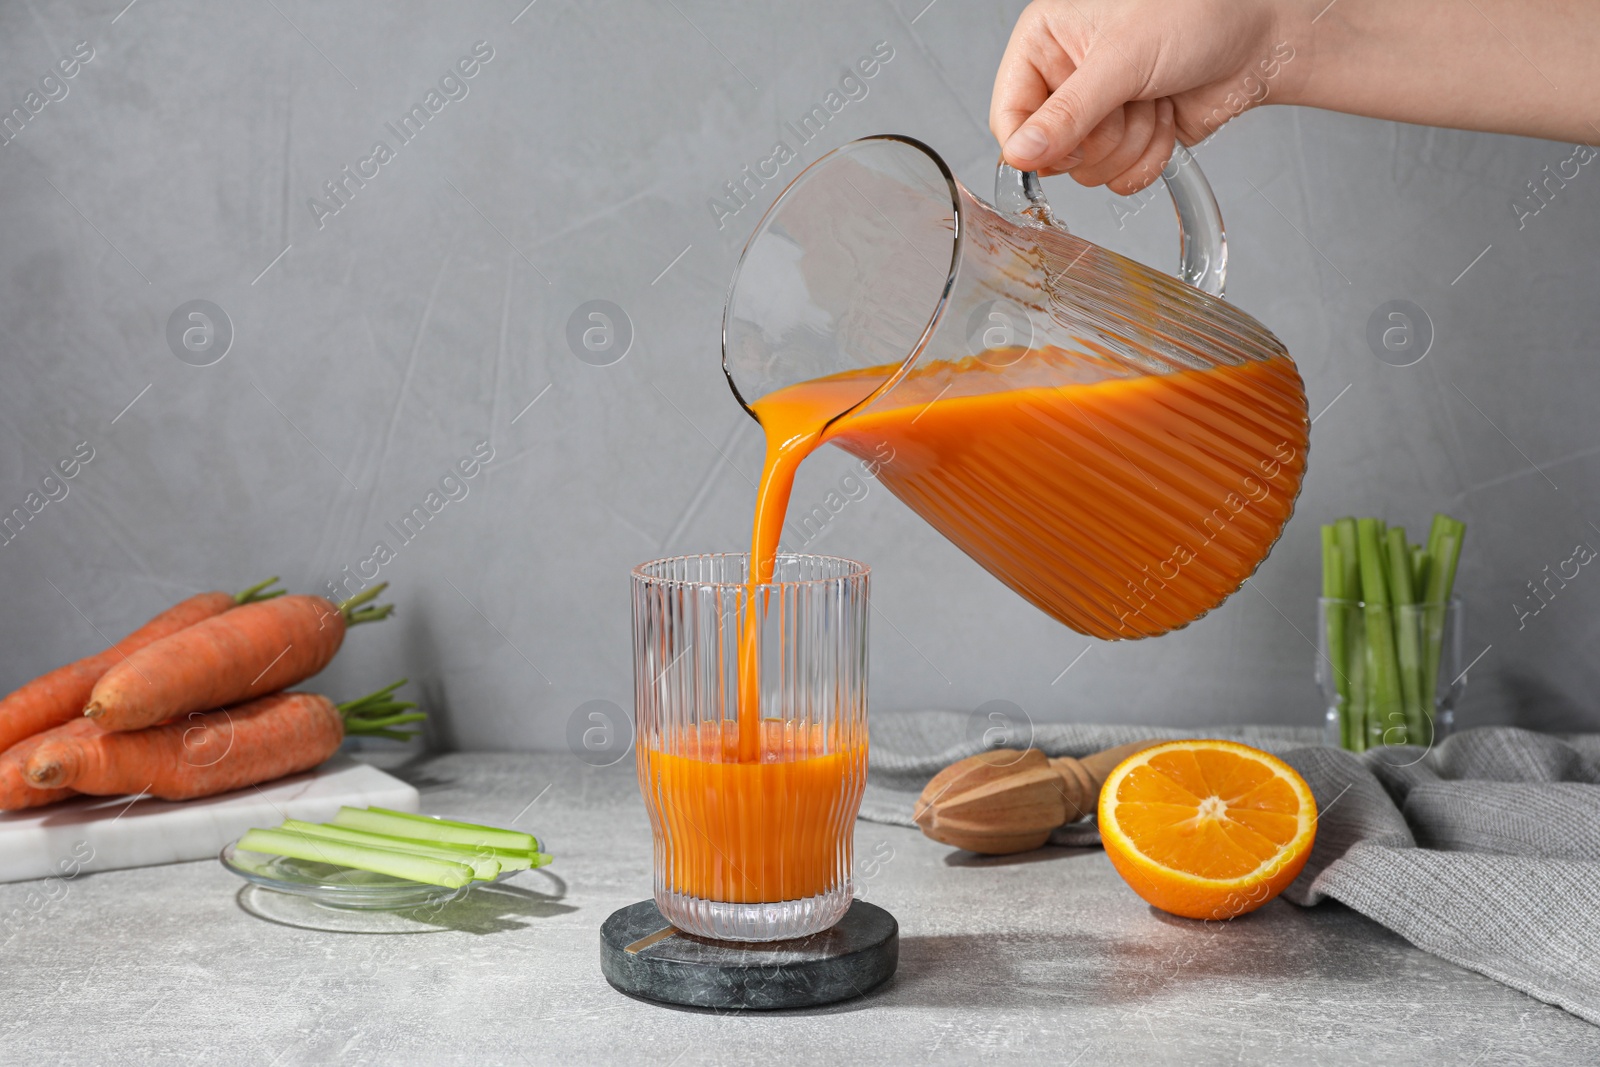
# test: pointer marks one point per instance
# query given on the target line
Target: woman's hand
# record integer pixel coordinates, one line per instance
(1099, 88)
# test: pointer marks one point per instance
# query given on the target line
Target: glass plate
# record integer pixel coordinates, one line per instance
(335, 887)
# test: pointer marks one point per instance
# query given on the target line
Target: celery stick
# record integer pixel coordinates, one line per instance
(1334, 626)
(484, 868)
(1374, 720)
(1437, 529)
(433, 831)
(1388, 707)
(1345, 532)
(433, 820)
(509, 859)
(1444, 551)
(1382, 530)
(360, 857)
(1332, 569)
(1402, 590)
(1408, 635)
(1356, 665)
(1425, 620)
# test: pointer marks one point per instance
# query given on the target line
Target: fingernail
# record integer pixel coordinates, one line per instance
(1027, 143)
(1072, 160)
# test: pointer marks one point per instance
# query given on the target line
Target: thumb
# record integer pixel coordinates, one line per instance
(1048, 140)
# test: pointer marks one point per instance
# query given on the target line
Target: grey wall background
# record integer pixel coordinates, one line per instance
(371, 354)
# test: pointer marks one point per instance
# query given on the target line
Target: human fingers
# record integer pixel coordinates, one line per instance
(1049, 139)
(1139, 122)
(1101, 142)
(1034, 63)
(1148, 167)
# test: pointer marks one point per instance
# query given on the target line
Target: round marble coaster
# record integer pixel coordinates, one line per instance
(640, 954)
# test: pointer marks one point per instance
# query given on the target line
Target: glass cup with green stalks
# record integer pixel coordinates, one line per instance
(1389, 634)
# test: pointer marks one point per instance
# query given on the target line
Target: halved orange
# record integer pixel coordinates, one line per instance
(1207, 829)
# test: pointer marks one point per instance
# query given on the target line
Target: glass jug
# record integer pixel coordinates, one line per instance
(1120, 447)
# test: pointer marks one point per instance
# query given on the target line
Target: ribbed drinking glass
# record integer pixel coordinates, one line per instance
(753, 841)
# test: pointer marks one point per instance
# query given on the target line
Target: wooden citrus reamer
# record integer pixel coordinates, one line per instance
(1006, 800)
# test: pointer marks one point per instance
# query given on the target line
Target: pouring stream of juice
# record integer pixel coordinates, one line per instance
(1184, 480)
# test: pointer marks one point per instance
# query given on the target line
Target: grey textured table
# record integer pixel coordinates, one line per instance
(1047, 957)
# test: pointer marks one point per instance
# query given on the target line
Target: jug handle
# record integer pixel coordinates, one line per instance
(1202, 243)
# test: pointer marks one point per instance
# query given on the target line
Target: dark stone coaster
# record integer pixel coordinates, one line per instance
(854, 957)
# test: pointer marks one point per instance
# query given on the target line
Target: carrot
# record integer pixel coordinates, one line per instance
(16, 792)
(212, 752)
(58, 697)
(246, 653)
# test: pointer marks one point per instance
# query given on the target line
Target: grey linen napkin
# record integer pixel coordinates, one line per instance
(1484, 851)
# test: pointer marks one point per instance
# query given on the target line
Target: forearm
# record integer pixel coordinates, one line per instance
(1513, 66)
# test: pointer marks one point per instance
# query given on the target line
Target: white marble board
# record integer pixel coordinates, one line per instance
(109, 833)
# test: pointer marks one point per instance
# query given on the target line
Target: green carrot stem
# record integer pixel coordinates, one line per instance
(387, 721)
(353, 616)
(377, 713)
(357, 705)
(392, 735)
(380, 694)
(375, 613)
(369, 712)
(370, 706)
(258, 592)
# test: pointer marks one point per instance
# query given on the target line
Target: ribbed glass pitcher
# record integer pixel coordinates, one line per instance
(1120, 447)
